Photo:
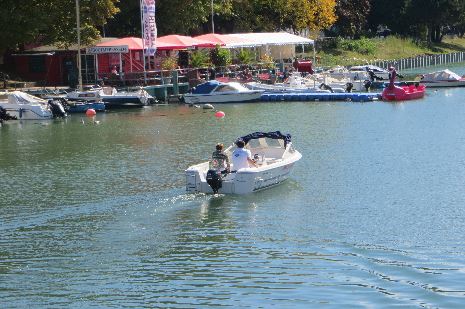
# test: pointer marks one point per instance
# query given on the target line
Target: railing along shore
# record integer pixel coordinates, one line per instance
(420, 61)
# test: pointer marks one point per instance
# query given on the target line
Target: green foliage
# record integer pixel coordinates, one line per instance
(220, 57)
(245, 56)
(267, 61)
(169, 63)
(352, 16)
(199, 59)
(51, 21)
(363, 46)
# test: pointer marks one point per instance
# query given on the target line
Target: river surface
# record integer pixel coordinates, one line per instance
(96, 215)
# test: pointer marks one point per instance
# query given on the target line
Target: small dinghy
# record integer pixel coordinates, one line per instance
(273, 154)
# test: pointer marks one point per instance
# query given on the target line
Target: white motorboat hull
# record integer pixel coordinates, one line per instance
(227, 97)
(24, 106)
(27, 111)
(283, 88)
(269, 173)
(441, 84)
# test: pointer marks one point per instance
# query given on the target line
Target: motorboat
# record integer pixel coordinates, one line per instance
(402, 93)
(23, 106)
(218, 92)
(443, 78)
(295, 83)
(360, 70)
(83, 106)
(273, 153)
(111, 97)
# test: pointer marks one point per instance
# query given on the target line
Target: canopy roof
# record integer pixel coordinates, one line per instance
(269, 38)
(225, 40)
(134, 43)
(181, 41)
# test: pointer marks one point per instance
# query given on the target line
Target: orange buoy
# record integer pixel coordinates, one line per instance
(90, 112)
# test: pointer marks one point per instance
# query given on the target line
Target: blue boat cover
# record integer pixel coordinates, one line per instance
(205, 88)
(273, 135)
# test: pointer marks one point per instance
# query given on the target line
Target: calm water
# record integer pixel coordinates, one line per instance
(95, 215)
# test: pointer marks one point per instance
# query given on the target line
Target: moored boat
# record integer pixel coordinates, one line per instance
(443, 78)
(401, 93)
(218, 92)
(274, 155)
(23, 106)
(111, 97)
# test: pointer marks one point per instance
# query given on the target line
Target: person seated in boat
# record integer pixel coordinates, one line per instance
(241, 157)
(220, 161)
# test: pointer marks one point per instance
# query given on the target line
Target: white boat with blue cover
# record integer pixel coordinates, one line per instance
(217, 92)
(274, 155)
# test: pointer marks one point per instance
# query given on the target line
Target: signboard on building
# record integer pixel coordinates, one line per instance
(124, 49)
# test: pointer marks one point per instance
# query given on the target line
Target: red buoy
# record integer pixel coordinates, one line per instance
(90, 112)
(220, 114)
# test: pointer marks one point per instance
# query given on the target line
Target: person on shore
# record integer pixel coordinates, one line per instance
(242, 158)
(114, 70)
(212, 73)
(220, 161)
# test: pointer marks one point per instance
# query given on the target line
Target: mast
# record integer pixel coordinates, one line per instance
(78, 29)
(143, 39)
(213, 21)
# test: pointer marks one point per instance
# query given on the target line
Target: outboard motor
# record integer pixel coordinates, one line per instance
(4, 116)
(214, 180)
(57, 109)
(349, 87)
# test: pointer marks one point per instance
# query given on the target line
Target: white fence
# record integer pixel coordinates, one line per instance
(421, 61)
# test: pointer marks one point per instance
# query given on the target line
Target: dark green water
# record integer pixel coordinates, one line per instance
(95, 215)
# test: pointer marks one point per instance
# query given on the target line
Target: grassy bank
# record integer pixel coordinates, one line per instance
(353, 52)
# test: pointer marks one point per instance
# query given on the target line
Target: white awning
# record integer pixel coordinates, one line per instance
(268, 38)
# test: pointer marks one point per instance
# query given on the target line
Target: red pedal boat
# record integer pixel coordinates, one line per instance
(401, 93)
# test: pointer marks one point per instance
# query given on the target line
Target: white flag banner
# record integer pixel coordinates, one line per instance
(149, 27)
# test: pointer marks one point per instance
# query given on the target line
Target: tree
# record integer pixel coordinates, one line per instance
(435, 16)
(277, 15)
(351, 17)
(51, 21)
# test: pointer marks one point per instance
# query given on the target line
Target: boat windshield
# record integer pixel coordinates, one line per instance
(277, 135)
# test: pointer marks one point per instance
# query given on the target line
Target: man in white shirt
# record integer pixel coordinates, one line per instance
(241, 157)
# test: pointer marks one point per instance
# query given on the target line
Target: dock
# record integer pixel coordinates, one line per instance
(349, 96)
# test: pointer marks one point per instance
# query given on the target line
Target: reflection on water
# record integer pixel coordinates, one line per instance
(97, 216)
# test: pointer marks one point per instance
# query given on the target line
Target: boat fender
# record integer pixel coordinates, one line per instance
(214, 180)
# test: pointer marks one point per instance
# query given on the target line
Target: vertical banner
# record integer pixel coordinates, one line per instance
(149, 27)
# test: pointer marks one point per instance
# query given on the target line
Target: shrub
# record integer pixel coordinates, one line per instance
(267, 61)
(220, 57)
(245, 56)
(199, 59)
(362, 46)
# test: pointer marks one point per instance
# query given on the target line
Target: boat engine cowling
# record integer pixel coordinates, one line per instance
(57, 108)
(214, 180)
